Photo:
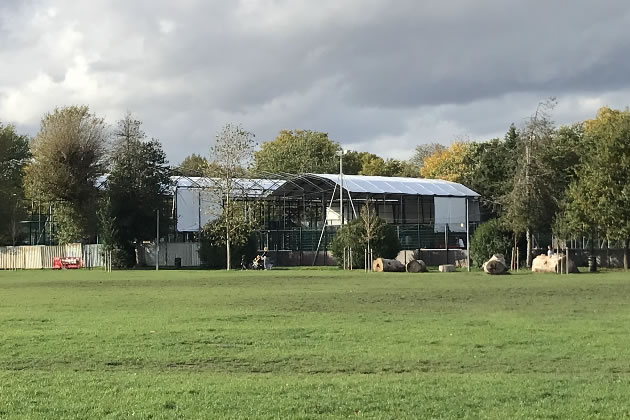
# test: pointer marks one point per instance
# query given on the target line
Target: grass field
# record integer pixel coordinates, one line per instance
(313, 344)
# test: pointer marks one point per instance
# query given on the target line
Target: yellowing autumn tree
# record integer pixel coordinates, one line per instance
(452, 164)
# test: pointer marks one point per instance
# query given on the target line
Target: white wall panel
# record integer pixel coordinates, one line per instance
(451, 211)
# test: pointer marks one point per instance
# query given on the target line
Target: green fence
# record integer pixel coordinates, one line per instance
(411, 237)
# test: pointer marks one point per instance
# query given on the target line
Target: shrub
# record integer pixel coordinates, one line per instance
(212, 251)
(490, 238)
(385, 243)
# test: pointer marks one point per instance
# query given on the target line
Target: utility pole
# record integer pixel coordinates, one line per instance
(467, 236)
(340, 154)
(157, 240)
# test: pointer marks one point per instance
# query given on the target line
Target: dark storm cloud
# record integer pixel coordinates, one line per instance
(488, 50)
(383, 75)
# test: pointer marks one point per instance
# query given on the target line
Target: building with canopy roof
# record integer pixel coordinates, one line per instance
(302, 213)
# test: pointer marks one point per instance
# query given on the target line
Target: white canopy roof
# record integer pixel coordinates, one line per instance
(362, 184)
(314, 183)
(400, 185)
(242, 186)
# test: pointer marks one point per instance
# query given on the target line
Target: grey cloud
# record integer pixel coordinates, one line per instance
(372, 73)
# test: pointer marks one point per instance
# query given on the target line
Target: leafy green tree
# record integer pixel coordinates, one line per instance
(392, 167)
(423, 151)
(511, 138)
(599, 197)
(408, 170)
(138, 185)
(485, 167)
(489, 238)
(69, 155)
(231, 154)
(455, 163)
(298, 152)
(353, 162)
(375, 165)
(488, 175)
(563, 155)
(365, 163)
(213, 250)
(368, 232)
(532, 202)
(14, 155)
(492, 167)
(193, 165)
(108, 232)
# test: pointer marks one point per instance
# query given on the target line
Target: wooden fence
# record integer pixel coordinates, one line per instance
(41, 256)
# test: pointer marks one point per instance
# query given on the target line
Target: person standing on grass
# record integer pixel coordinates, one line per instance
(549, 251)
(264, 258)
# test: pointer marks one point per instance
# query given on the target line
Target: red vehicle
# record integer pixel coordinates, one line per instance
(67, 262)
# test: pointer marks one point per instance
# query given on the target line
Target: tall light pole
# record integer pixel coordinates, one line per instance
(13, 225)
(340, 154)
(157, 240)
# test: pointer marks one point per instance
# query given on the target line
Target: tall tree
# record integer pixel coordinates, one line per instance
(375, 165)
(68, 157)
(452, 164)
(298, 152)
(511, 137)
(423, 151)
(488, 175)
(532, 203)
(492, 169)
(353, 161)
(138, 185)
(599, 198)
(232, 152)
(365, 234)
(193, 165)
(366, 163)
(563, 154)
(408, 169)
(14, 155)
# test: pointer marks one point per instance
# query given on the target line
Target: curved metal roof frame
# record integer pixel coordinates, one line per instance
(287, 185)
(377, 185)
(244, 187)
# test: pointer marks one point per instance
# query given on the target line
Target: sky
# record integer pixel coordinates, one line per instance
(377, 75)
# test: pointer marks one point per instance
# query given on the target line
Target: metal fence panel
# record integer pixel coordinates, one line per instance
(187, 251)
(93, 255)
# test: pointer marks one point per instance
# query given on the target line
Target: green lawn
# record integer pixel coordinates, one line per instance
(313, 344)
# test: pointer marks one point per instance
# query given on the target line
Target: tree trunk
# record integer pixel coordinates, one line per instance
(626, 253)
(416, 266)
(227, 215)
(384, 264)
(227, 249)
(528, 260)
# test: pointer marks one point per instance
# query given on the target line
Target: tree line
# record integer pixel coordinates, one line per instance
(307, 151)
(572, 180)
(104, 184)
(109, 182)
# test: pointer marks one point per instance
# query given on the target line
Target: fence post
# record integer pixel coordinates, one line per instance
(446, 240)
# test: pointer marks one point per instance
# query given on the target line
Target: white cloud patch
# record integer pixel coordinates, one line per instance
(166, 26)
